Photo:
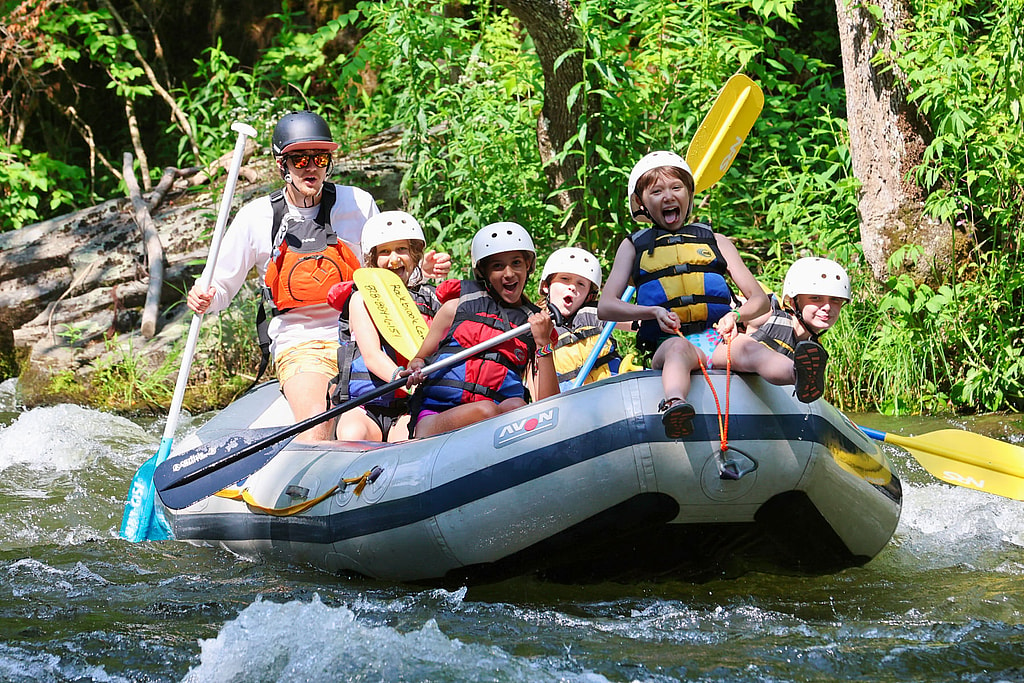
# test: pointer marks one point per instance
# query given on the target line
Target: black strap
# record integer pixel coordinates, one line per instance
(478, 389)
(280, 207)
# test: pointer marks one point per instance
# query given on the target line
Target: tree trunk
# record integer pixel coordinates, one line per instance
(887, 140)
(555, 32)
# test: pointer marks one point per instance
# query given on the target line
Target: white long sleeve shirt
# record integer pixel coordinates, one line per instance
(246, 244)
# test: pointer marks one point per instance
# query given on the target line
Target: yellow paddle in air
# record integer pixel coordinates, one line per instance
(721, 134)
(965, 459)
(392, 309)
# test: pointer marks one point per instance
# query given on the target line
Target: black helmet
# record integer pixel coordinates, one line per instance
(302, 130)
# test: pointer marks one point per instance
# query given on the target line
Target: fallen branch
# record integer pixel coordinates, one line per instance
(154, 248)
(156, 197)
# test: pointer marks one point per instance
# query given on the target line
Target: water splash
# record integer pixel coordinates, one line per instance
(18, 664)
(943, 526)
(65, 438)
(303, 641)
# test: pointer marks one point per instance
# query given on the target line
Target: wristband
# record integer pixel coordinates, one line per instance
(737, 312)
(394, 375)
(544, 350)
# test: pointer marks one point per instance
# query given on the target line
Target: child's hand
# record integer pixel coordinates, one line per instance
(668, 321)
(413, 372)
(542, 328)
(436, 264)
(728, 325)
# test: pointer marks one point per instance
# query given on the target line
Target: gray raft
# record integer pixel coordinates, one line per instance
(581, 487)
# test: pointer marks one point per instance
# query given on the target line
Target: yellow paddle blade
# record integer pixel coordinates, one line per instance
(723, 130)
(968, 459)
(628, 364)
(392, 309)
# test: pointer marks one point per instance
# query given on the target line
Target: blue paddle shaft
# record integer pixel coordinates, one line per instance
(601, 341)
(873, 433)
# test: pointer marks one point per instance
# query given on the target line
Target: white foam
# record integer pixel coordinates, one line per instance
(21, 664)
(944, 526)
(305, 641)
(65, 438)
(9, 394)
(32, 578)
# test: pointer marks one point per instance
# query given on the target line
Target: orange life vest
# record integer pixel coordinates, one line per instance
(307, 257)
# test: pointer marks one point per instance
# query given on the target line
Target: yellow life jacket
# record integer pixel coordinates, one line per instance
(683, 271)
(575, 344)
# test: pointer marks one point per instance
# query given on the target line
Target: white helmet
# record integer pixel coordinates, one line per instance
(389, 226)
(576, 261)
(815, 275)
(649, 162)
(498, 237)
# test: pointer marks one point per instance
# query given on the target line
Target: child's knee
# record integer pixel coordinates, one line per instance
(507, 405)
(739, 350)
(678, 347)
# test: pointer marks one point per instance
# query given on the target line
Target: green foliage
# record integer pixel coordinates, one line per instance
(298, 57)
(75, 333)
(34, 186)
(125, 381)
(467, 91)
(919, 348)
(989, 332)
(76, 32)
(964, 73)
(467, 101)
(223, 92)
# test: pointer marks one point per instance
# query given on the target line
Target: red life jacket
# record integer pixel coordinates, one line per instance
(493, 375)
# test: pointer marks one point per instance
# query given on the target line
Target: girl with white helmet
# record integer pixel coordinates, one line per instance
(782, 345)
(474, 311)
(684, 303)
(570, 282)
(393, 240)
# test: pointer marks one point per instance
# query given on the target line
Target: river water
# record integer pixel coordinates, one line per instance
(943, 602)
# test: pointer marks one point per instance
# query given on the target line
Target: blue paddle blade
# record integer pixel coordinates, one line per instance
(142, 521)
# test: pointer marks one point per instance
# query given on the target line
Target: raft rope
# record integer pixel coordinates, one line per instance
(723, 422)
(234, 493)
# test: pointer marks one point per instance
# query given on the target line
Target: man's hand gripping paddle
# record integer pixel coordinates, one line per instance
(142, 521)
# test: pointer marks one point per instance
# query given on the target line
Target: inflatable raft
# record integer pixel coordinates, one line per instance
(581, 487)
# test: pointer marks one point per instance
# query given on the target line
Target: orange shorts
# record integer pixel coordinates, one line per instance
(320, 357)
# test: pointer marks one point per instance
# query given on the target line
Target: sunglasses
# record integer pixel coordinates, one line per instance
(301, 161)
